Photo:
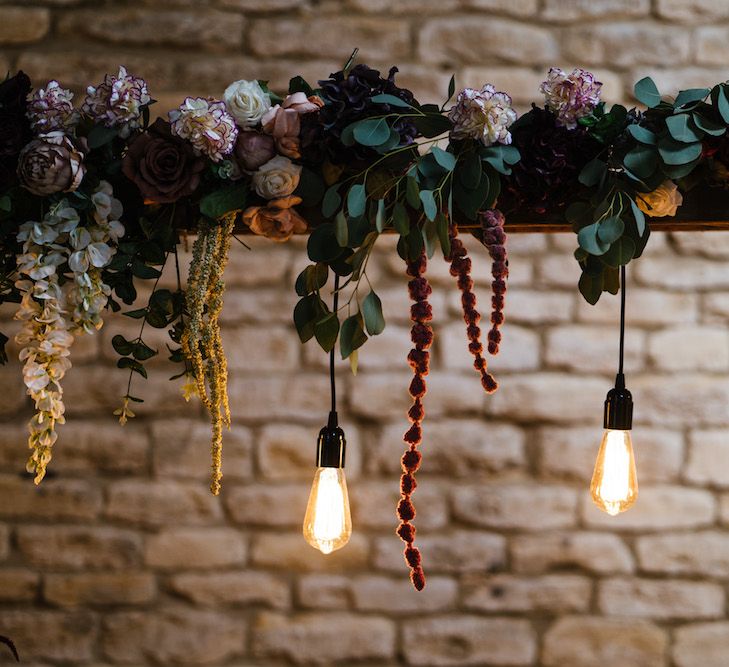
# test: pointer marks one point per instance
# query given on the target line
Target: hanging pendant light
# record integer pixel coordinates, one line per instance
(614, 485)
(328, 521)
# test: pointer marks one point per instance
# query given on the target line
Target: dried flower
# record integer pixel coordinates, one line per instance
(206, 124)
(117, 102)
(163, 167)
(49, 164)
(277, 220)
(570, 96)
(484, 115)
(247, 102)
(279, 177)
(51, 108)
(663, 201)
(253, 149)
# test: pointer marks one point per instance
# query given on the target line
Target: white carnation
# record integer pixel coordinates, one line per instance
(483, 114)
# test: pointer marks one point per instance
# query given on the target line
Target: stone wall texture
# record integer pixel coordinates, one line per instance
(122, 557)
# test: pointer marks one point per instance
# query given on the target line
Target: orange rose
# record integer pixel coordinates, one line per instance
(289, 146)
(276, 221)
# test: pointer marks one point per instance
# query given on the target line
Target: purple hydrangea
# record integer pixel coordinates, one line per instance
(570, 96)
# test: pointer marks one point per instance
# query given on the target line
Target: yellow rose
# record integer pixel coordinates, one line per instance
(663, 201)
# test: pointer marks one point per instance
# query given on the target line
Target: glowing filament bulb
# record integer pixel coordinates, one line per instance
(614, 485)
(327, 522)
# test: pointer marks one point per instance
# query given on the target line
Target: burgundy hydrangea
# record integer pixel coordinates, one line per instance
(551, 159)
(421, 314)
(15, 129)
(348, 98)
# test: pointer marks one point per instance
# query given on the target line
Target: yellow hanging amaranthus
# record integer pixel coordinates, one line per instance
(201, 340)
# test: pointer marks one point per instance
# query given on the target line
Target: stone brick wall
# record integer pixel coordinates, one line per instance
(123, 557)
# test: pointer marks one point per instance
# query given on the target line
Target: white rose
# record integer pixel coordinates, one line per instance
(277, 178)
(246, 102)
(663, 201)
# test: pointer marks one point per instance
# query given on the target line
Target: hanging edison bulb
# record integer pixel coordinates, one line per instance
(328, 521)
(614, 486)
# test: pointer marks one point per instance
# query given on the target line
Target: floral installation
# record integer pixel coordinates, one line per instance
(95, 198)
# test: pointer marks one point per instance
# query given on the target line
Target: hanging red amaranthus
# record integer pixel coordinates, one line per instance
(461, 269)
(493, 236)
(421, 312)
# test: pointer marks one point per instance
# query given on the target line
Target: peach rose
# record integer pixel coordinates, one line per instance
(276, 221)
(281, 122)
(663, 201)
(300, 103)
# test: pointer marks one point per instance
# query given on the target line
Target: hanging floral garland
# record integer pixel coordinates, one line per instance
(94, 198)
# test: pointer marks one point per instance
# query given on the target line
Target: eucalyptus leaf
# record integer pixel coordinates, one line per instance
(593, 172)
(590, 287)
(621, 252)
(371, 131)
(352, 335)
(677, 153)
(639, 217)
(690, 95)
(373, 317)
(226, 199)
(441, 226)
(642, 134)
(400, 219)
(331, 201)
(647, 93)
(132, 364)
(326, 331)
(444, 158)
(708, 125)
(610, 229)
(341, 229)
(469, 170)
(642, 160)
(588, 239)
(384, 98)
(723, 103)
(356, 200)
(380, 216)
(681, 128)
(430, 237)
(412, 192)
(305, 315)
(429, 206)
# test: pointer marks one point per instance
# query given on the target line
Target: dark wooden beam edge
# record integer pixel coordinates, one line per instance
(705, 209)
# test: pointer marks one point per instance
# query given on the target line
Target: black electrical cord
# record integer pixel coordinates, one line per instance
(332, 382)
(622, 318)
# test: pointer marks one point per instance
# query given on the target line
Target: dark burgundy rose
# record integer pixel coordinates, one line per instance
(15, 129)
(163, 167)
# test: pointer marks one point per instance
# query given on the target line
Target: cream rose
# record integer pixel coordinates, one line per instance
(663, 201)
(246, 102)
(279, 177)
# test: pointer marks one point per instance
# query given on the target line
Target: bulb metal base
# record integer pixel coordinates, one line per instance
(618, 407)
(331, 446)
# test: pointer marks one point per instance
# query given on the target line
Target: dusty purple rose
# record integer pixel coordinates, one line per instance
(570, 96)
(49, 164)
(253, 149)
(162, 166)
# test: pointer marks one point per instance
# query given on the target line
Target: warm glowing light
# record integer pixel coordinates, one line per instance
(614, 485)
(328, 523)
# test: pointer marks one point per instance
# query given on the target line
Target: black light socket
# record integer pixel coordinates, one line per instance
(331, 445)
(618, 407)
